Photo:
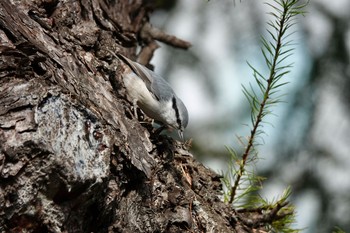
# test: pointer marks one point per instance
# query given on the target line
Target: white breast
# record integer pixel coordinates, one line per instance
(138, 92)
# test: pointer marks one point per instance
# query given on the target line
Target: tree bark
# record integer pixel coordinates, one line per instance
(72, 156)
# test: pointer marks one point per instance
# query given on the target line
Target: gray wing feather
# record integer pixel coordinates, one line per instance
(154, 82)
(161, 88)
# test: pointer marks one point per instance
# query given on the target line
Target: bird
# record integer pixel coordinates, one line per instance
(153, 95)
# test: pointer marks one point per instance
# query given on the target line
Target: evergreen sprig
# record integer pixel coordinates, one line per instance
(275, 51)
(241, 180)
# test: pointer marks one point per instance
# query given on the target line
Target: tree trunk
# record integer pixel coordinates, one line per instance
(72, 156)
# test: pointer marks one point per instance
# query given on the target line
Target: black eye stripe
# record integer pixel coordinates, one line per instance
(177, 114)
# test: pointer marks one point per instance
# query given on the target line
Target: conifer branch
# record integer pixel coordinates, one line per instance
(274, 53)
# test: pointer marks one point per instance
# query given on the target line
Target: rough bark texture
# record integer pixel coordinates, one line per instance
(72, 156)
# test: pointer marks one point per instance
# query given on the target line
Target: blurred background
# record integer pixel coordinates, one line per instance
(307, 145)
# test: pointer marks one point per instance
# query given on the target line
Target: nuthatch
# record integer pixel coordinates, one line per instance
(154, 95)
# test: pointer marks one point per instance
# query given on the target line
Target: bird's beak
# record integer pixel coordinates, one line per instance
(181, 134)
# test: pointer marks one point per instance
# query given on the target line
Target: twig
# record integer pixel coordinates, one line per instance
(260, 219)
(146, 53)
(149, 33)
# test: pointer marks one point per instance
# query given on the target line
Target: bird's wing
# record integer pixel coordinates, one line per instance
(159, 88)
